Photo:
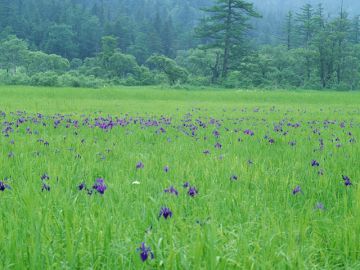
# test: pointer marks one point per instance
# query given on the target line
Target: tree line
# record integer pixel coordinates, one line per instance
(96, 43)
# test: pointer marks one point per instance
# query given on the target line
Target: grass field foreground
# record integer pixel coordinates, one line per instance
(205, 179)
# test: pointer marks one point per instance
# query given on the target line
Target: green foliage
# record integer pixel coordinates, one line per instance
(225, 27)
(254, 222)
(48, 78)
(12, 53)
(145, 43)
(121, 65)
(61, 41)
(169, 67)
(41, 62)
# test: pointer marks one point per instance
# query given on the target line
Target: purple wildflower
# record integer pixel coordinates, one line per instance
(192, 191)
(314, 163)
(216, 133)
(218, 145)
(292, 143)
(45, 187)
(249, 132)
(297, 190)
(319, 206)
(140, 165)
(186, 185)
(234, 177)
(171, 190)
(206, 152)
(4, 186)
(145, 252)
(100, 186)
(165, 212)
(347, 180)
(166, 169)
(45, 176)
(82, 186)
(271, 141)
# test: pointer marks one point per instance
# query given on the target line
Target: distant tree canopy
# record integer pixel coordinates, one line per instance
(200, 42)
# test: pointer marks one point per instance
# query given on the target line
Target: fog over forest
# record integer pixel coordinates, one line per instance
(234, 43)
(351, 6)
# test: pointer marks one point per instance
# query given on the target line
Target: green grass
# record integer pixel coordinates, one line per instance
(252, 223)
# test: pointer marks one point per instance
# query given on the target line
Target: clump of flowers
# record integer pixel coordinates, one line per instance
(100, 186)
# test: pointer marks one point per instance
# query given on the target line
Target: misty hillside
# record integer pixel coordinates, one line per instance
(282, 6)
(135, 42)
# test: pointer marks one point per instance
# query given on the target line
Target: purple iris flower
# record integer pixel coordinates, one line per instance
(165, 212)
(100, 186)
(218, 145)
(234, 177)
(171, 190)
(216, 133)
(271, 141)
(45, 176)
(314, 163)
(249, 132)
(45, 187)
(82, 186)
(166, 169)
(192, 191)
(140, 165)
(297, 190)
(347, 180)
(292, 143)
(145, 252)
(4, 186)
(319, 206)
(186, 185)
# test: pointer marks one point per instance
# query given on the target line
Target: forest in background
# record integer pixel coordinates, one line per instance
(93, 43)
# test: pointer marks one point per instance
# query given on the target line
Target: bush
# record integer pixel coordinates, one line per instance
(18, 78)
(76, 80)
(48, 78)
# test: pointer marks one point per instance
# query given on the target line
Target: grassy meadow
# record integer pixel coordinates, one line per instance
(252, 179)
